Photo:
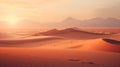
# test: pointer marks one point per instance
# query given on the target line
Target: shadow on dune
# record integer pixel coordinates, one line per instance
(26, 42)
(71, 33)
(112, 41)
(107, 45)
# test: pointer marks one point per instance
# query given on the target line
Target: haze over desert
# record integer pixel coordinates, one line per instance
(59, 33)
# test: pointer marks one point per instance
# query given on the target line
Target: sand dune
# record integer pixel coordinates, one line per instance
(116, 42)
(116, 37)
(27, 42)
(71, 33)
(85, 53)
(100, 45)
(61, 48)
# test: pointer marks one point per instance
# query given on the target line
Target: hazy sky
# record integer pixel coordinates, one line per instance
(56, 10)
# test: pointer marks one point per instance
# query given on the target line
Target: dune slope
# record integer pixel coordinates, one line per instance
(71, 33)
(101, 45)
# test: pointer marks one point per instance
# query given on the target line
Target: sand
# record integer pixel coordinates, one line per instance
(62, 50)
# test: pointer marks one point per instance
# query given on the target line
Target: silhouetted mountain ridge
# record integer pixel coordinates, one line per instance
(94, 22)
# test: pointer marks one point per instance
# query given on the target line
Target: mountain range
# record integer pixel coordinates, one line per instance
(94, 22)
(73, 22)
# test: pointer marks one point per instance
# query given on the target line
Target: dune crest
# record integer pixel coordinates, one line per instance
(102, 45)
(28, 42)
(71, 33)
(116, 42)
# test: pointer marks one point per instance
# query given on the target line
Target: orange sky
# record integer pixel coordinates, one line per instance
(57, 10)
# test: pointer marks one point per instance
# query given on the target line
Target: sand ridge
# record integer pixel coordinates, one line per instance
(65, 48)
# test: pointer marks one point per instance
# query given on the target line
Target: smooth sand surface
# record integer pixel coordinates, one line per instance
(66, 50)
(38, 57)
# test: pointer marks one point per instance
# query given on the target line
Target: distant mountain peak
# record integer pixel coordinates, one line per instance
(111, 18)
(97, 18)
(71, 19)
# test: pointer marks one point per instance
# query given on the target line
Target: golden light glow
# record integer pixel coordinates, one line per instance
(57, 10)
(12, 20)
